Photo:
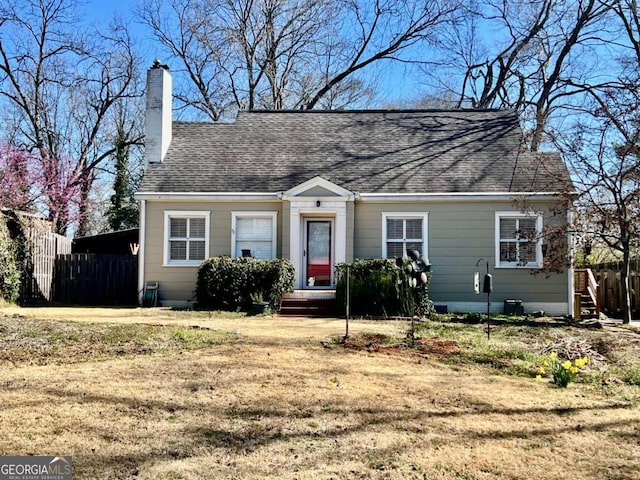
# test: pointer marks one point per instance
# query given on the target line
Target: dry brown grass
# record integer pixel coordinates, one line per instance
(276, 404)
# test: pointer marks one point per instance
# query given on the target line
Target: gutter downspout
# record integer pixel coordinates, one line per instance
(141, 250)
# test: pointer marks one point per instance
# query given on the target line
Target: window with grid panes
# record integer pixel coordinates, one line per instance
(403, 234)
(186, 238)
(254, 234)
(518, 241)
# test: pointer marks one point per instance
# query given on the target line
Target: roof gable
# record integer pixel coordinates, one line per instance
(318, 187)
(410, 151)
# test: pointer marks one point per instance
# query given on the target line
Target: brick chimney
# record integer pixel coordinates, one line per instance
(158, 113)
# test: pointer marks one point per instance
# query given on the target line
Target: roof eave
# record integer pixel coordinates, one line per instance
(371, 197)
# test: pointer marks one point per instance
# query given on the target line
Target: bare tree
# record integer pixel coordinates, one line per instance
(127, 165)
(61, 82)
(572, 70)
(605, 151)
(387, 30)
(542, 52)
(274, 54)
(607, 172)
(190, 31)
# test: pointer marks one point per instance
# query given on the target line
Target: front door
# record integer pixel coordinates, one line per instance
(318, 253)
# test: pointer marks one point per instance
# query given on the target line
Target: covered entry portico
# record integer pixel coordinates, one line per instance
(318, 230)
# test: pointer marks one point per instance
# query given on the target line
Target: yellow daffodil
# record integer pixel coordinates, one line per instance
(538, 378)
(566, 364)
(573, 370)
(581, 362)
(553, 356)
(541, 370)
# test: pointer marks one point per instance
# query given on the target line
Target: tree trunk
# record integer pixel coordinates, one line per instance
(83, 206)
(538, 131)
(624, 279)
(120, 184)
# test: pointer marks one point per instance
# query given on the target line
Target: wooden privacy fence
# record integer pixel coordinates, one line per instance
(37, 277)
(609, 279)
(95, 279)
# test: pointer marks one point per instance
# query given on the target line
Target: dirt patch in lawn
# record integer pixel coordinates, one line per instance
(434, 348)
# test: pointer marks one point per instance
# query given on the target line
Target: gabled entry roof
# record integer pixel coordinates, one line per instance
(408, 151)
(318, 187)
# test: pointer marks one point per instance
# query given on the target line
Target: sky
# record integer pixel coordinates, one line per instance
(102, 11)
(105, 8)
(395, 83)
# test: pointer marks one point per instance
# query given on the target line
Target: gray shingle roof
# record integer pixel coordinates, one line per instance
(432, 151)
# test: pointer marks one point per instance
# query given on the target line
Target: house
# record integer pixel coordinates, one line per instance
(324, 187)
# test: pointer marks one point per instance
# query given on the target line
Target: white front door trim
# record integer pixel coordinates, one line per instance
(305, 248)
(306, 207)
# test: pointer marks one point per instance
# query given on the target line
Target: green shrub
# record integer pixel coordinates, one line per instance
(377, 287)
(9, 265)
(474, 317)
(229, 284)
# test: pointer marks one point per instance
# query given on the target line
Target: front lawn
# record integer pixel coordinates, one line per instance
(186, 395)
(47, 342)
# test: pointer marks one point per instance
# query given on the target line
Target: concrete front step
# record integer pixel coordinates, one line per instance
(309, 303)
(316, 294)
(318, 305)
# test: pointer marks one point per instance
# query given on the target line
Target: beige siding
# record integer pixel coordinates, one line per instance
(350, 232)
(286, 229)
(177, 284)
(459, 234)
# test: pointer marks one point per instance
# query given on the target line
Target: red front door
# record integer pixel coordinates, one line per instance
(318, 253)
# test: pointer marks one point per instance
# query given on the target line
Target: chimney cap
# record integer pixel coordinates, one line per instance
(158, 64)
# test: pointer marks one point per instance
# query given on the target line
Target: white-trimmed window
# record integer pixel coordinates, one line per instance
(518, 240)
(254, 234)
(402, 232)
(186, 237)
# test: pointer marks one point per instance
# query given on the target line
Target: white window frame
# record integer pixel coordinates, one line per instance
(274, 229)
(168, 215)
(424, 216)
(538, 243)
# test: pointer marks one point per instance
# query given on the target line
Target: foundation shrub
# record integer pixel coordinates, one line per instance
(377, 287)
(226, 283)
